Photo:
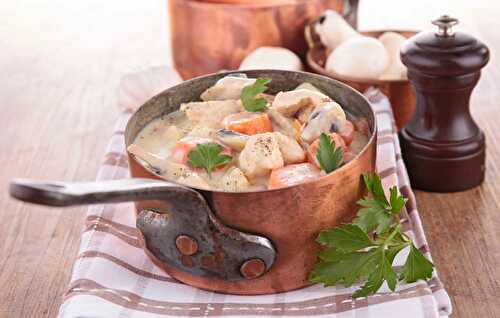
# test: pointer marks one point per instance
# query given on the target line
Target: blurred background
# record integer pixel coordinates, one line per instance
(49, 35)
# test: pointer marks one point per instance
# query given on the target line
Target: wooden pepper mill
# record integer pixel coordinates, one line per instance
(442, 146)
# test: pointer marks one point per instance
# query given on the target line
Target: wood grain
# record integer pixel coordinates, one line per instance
(61, 62)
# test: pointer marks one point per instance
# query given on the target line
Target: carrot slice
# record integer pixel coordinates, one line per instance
(182, 148)
(292, 174)
(347, 132)
(312, 150)
(248, 123)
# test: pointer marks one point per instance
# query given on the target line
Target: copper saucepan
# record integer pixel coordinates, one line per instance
(243, 243)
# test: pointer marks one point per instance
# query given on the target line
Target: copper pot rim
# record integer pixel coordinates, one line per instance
(371, 139)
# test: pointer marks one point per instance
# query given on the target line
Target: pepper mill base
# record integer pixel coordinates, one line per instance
(444, 167)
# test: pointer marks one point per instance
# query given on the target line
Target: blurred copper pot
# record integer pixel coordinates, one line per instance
(209, 36)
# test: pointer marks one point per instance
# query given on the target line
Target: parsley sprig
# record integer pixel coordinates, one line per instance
(249, 95)
(378, 213)
(329, 157)
(208, 156)
(365, 249)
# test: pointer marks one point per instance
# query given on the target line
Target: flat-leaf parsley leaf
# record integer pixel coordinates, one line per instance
(208, 156)
(249, 95)
(364, 250)
(329, 157)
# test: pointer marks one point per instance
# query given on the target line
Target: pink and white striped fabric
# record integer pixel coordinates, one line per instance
(112, 276)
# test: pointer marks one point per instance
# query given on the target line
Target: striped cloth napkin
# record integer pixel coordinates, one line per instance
(113, 277)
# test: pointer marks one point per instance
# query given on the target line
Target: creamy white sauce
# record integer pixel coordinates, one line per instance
(160, 136)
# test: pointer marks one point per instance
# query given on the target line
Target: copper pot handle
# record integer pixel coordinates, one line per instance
(187, 237)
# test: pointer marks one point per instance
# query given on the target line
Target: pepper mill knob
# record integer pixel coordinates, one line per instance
(442, 146)
(445, 25)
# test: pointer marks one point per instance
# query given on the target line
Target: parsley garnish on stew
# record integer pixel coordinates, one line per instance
(208, 156)
(249, 93)
(329, 157)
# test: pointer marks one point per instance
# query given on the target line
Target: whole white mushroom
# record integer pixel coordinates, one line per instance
(393, 42)
(333, 30)
(268, 57)
(360, 57)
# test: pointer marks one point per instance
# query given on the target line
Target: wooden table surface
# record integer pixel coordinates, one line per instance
(61, 62)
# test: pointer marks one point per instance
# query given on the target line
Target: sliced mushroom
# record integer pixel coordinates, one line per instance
(228, 87)
(288, 103)
(232, 139)
(171, 170)
(325, 118)
(303, 114)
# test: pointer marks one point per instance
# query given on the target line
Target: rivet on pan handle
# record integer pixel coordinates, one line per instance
(188, 237)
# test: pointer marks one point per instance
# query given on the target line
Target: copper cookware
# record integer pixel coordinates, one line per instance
(243, 243)
(208, 36)
(400, 92)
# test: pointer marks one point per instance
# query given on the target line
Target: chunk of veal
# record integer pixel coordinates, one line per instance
(167, 168)
(211, 113)
(290, 102)
(293, 174)
(290, 149)
(234, 180)
(228, 87)
(260, 155)
(325, 118)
